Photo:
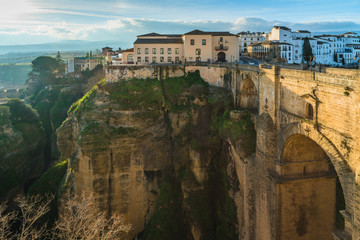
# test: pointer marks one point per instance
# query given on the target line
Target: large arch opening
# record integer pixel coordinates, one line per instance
(249, 98)
(310, 196)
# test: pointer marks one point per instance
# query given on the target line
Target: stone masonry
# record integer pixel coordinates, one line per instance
(308, 130)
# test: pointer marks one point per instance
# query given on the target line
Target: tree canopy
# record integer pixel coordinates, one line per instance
(43, 70)
(307, 51)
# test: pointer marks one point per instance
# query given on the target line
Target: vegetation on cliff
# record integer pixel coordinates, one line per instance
(174, 131)
(21, 145)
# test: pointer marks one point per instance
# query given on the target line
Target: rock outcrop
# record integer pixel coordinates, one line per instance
(157, 152)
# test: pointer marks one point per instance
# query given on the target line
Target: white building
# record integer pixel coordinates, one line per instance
(344, 48)
(248, 38)
(272, 51)
(70, 65)
(327, 49)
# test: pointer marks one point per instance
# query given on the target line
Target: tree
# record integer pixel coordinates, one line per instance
(31, 209)
(97, 52)
(6, 220)
(91, 54)
(60, 63)
(307, 51)
(43, 69)
(82, 220)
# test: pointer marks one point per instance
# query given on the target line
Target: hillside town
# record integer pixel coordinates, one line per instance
(281, 45)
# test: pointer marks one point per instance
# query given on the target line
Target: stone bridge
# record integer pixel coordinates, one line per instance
(303, 180)
(11, 93)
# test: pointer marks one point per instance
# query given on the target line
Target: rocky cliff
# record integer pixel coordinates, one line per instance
(156, 150)
(22, 142)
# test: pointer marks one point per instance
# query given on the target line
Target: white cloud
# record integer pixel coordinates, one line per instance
(126, 29)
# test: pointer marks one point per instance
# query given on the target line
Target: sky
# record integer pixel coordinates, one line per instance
(42, 21)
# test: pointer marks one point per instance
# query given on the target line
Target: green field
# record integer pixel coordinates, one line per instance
(14, 74)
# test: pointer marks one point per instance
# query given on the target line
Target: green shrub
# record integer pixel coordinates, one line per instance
(49, 180)
(136, 94)
(4, 115)
(243, 130)
(58, 112)
(21, 112)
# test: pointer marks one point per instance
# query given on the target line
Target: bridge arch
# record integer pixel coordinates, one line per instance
(249, 97)
(315, 180)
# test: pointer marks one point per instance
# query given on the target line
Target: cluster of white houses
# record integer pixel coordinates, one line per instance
(287, 46)
(281, 45)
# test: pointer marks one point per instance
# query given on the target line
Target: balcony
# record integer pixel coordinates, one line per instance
(221, 47)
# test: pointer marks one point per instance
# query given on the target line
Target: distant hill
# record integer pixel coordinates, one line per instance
(68, 45)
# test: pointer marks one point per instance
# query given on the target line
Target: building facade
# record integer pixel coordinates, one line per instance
(86, 63)
(272, 51)
(128, 56)
(248, 38)
(200, 46)
(158, 48)
(194, 46)
(327, 49)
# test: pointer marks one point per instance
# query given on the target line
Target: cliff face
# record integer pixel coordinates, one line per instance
(21, 147)
(156, 151)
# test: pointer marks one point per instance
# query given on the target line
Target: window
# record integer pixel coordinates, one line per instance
(198, 51)
(161, 59)
(139, 59)
(154, 59)
(192, 41)
(147, 59)
(161, 51)
(146, 51)
(176, 51)
(177, 59)
(169, 50)
(309, 113)
(154, 50)
(169, 59)
(221, 39)
(138, 50)
(204, 42)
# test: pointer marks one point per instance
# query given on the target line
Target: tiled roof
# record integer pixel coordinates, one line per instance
(199, 32)
(275, 43)
(158, 40)
(283, 28)
(128, 50)
(303, 31)
(83, 58)
(159, 35)
(326, 35)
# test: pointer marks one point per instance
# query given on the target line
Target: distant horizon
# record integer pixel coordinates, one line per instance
(87, 45)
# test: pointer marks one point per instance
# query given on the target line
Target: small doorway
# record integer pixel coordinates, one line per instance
(221, 57)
